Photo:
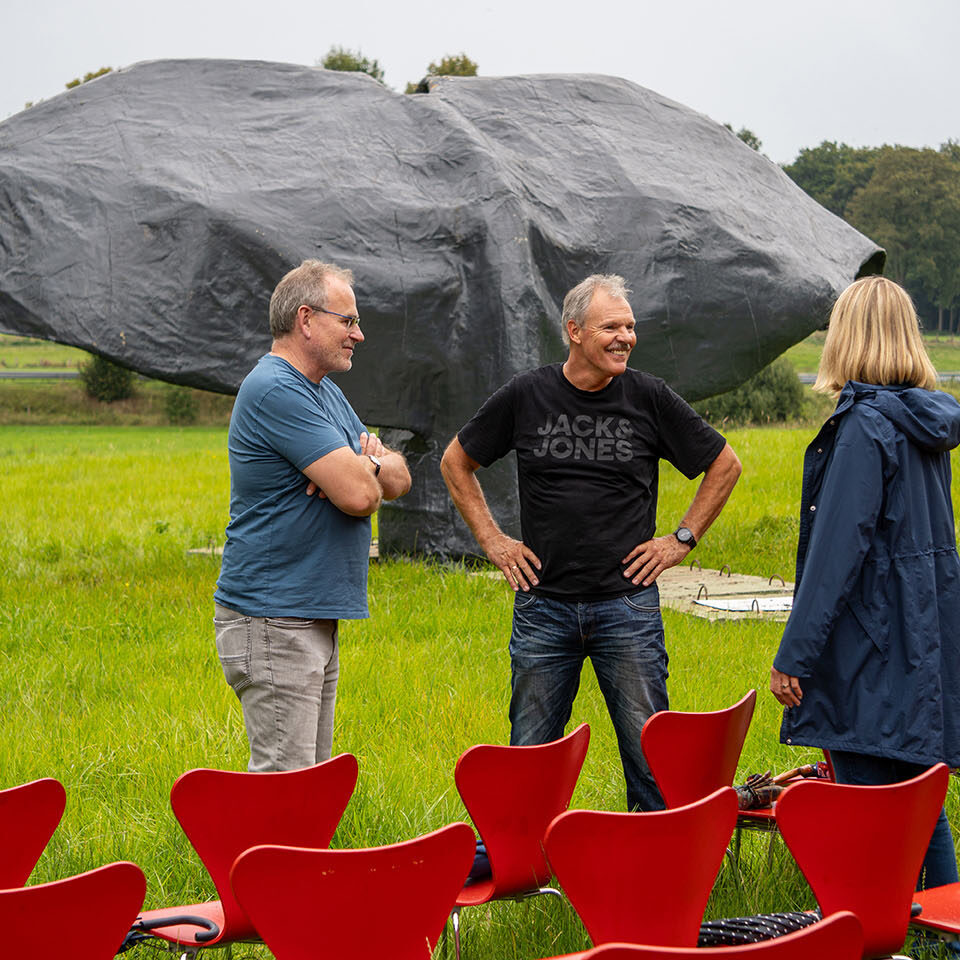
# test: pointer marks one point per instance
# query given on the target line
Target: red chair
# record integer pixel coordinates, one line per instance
(642, 877)
(838, 937)
(83, 917)
(225, 812)
(391, 901)
(861, 848)
(512, 794)
(692, 754)
(28, 816)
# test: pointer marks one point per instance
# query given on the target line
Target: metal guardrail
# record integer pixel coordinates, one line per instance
(805, 378)
(39, 374)
(809, 378)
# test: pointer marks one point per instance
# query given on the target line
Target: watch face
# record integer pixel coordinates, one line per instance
(685, 536)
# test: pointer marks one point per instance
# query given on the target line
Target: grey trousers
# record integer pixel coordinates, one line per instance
(284, 671)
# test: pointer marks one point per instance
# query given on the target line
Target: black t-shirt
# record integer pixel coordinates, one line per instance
(587, 468)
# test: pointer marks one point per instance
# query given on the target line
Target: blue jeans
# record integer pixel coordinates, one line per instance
(940, 862)
(623, 638)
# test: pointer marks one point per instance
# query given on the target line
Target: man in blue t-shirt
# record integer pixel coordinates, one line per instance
(305, 476)
(589, 435)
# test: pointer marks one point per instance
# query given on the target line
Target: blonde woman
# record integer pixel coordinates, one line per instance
(869, 662)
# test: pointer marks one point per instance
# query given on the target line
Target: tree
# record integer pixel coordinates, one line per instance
(106, 381)
(747, 136)
(832, 173)
(75, 82)
(339, 58)
(452, 65)
(87, 77)
(772, 395)
(951, 148)
(911, 206)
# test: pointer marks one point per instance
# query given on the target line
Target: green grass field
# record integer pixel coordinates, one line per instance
(109, 679)
(25, 353)
(944, 351)
(28, 353)
(45, 402)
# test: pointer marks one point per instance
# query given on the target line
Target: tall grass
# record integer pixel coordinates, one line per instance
(110, 682)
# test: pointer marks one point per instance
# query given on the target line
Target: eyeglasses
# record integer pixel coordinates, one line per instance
(350, 322)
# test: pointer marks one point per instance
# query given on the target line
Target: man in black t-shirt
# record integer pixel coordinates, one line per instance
(589, 435)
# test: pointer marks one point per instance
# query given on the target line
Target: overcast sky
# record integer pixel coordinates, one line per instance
(796, 74)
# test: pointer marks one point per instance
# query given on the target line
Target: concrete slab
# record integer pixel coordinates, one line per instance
(681, 587)
(215, 550)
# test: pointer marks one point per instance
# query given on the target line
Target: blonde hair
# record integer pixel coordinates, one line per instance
(874, 337)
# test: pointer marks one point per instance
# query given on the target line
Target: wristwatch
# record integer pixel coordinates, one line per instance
(685, 536)
(377, 465)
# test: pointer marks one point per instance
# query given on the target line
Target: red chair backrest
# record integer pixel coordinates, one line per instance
(28, 816)
(836, 938)
(512, 794)
(642, 877)
(224, 812)
(84, 917)
(391, 901)
(692, 754)
(861, 848)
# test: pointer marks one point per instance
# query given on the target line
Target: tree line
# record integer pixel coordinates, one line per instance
(905, 199)
(353, 61)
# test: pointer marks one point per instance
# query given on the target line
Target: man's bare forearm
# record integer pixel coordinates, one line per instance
(519, 565)
(646, 561)
(459, 474)
(718, 482)
(394, 474)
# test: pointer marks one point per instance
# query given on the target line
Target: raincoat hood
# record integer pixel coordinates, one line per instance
(930, 419)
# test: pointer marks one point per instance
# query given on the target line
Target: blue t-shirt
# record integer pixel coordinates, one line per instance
(287, 554)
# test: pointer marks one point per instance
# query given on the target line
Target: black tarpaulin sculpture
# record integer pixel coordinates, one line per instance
(148, 214)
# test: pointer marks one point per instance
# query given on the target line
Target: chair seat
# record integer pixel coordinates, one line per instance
(763, 818)
(187, 932)
(476, 893)
(941, 908)
(486, 890)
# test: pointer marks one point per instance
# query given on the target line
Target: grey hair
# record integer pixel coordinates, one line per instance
(577, 301)
(304, 284)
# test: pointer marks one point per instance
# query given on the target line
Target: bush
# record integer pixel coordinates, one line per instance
(773, 395)
(180, 404)
(106, 381)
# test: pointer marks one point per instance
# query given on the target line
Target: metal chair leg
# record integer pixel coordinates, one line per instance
(737, 836)
(455, 923)
(774, 833)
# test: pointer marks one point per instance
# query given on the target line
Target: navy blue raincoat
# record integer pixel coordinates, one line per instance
(874, 635)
